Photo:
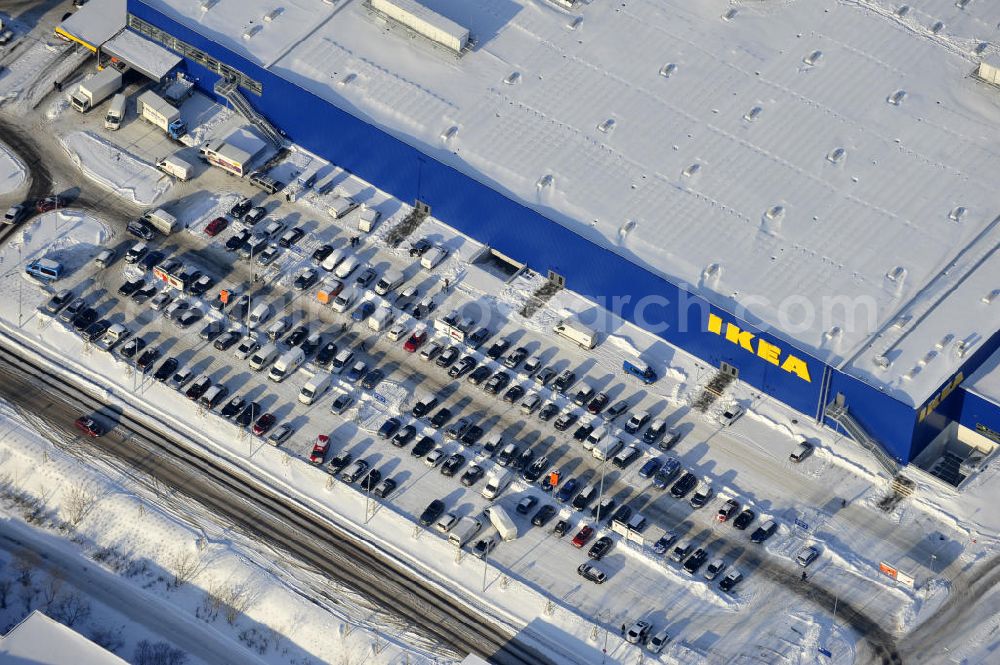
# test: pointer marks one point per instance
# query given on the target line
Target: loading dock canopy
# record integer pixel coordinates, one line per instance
(94, 23)
(141, 54)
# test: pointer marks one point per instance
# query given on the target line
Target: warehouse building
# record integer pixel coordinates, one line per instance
(801, 196)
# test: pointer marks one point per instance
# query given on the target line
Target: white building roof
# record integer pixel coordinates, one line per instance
(985, 382)
(96, 22)
(830, 157)
(148, 57)
(39, 640)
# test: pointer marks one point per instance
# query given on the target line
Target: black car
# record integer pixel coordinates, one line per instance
(583, 431)
(616, 409)
(152, 259)
(254, 215)
(372, 379)
(476, 339)
(534, 471)
(140, 230)
(385, 488)
(448, 357)
(326, 354)
(225, 342)
(478, 376)
(250, 413)
(369, 482)
(544, 515)
(366, 277)
(432, 512)
(442, 416)
(420, 247)
(497, 383)
(464, 366)
(166, 369)
(86, 316)
(241, 208)
(497, 349)
(525, 505)
(236, 241)
(297, 336)
(211, 330)
(515, 357)
(95, 330)
(404, 436)
(696, 561)
(233, 407)
(311, 343)
(513, 394)
(598, 403)
(338, 462)
(200, 286)
(562, 382)
(388, 428)
(305, 280)
(744, 519)
(132, 348)
(130, 287)
(423, 446)
(143, 294)
(684, 485)
(451, 465)
(291, 237)
(321, 253)
(548, 412)
(146, 360)
(730, 580)
(600, 547)
(565, 421)
(764, 531)
(472, 475)
(472, 435)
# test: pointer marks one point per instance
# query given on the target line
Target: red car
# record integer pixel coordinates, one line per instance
(415, 341)
(216, 226)
(264, 424)
(319, 449)
(89, 426)
(582, 536)
(729, 508)
(50, 203)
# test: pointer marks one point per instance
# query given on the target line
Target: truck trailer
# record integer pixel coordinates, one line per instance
(158, 111)
(95, 90)
(162, 221)
(502, 522)
(176, 166)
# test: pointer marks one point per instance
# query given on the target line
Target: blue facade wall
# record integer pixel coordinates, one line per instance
(477, 209)
(980, 415)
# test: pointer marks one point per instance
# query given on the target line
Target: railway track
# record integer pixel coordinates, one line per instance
(283, 523)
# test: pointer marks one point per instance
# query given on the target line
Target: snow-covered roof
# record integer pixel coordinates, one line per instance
(39, 640)
(833, 158)
(985, 382)
(95, 22)
(148, 57)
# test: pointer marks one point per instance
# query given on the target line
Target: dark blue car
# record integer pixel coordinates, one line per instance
(567, 491)
(363, 311)
(650, 468)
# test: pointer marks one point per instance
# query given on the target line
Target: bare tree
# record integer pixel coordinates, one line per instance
(160, 653)
(70, 609)
(108, 638)
(80, 499)
(238, 600)
(51, 588)
(25, 564)
(187, 565)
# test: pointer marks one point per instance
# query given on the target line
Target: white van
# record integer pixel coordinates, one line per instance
(594, 438)
(263, 357)
(381, 319)
(286, 365)
(336, 257)
(343, 301)
(433, 257)
(496, 483)
(390, 281)
(607, 449)
(347, 266)
(463, 532)
(260, 314)
(315, 387)
(341, 360)
(577, 333)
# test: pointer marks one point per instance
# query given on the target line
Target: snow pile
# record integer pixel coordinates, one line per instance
(68, 236)
(12, 171)
(121, 172)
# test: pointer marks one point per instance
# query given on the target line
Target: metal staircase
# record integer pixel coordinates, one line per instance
(837, 412)
(228, 89)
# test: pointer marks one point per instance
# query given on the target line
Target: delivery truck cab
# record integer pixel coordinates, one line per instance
(315, 387)
(116, 113)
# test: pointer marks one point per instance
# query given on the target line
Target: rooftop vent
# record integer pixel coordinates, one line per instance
(566, 4)
(944, 341)
(957, 214)
(897, 274)
(208, 4)
(712, 271)
(813, 58)
(347, 79)
(667, 70)
(512, 78)
(730, 15)
(962, 3)
(546, 180)
(252, 30)
(607, 126)
(903, 11)
(937, 27)
(962, 347)
(449, 133)
(692, 170)
(896, 98)
(882, 361)
(626, 229)
(576, 22)
(929, 356)
(273, 14)
(836, 156)
(834, 334)
(991, 296)
(425, 22)
(753, 114)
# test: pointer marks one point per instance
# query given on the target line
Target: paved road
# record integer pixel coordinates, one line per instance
(275, 519)
(162, 618)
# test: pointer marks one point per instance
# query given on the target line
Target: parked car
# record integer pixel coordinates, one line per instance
(582, 536)
(684, 485)
(806, 556)
(730, 415)
(544, 515)
(638, 632)
(600, 547)
(591, 573)
(728, 509)
(432, 512)
(663, 543)
(730, 581)
(744, 519)
(696, 560)
(714, 569)
(319, 450)
(472, 475)
(763, 532)
(525, 505)
(89, 426)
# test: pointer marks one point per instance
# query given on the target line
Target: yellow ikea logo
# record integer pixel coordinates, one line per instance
(759, 347)
(935, 401)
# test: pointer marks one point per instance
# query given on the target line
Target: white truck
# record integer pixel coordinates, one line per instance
(464, 531)
(496, 483)
(95, 90)
(367, 219)
(116, 112)
(162, 221)
(341, 206)
(502, 522)
(156, 110)
(577, 333)
(176, 166)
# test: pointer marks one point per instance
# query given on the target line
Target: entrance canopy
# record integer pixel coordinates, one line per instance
(141, 54)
